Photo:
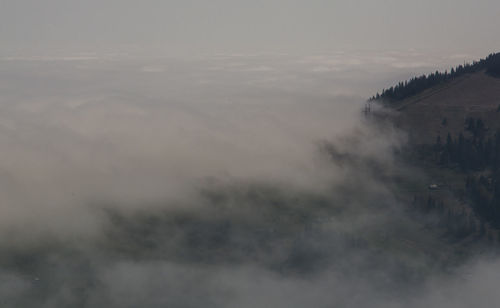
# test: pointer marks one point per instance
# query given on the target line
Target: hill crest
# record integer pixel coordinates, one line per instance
(445, 108)
(416, 85)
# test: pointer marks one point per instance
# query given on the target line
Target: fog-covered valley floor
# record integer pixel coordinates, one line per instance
(223, 181)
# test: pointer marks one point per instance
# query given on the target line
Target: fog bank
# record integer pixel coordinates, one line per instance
(218, 182)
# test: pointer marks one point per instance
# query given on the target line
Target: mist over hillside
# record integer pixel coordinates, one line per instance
(225, 181)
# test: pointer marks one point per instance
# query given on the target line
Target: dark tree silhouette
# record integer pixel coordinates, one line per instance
(416, 85)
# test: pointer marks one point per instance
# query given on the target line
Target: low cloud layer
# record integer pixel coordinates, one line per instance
(245, 181)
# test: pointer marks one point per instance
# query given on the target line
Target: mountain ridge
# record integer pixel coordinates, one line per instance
(453, 133)
(416, 85)
(444, 109)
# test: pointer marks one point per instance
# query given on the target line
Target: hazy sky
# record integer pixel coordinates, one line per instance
(291, 26)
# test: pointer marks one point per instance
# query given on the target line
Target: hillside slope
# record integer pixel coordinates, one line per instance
(453, 137)
(444, 109)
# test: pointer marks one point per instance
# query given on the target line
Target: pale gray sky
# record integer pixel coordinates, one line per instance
(291, 26)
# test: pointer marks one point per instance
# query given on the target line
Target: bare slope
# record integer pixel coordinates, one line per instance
(473, 95)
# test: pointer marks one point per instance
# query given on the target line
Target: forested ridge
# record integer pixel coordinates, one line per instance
(408, 88)
(455, 137)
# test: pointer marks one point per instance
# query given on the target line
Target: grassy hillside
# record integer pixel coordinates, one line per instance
(444, 109)
(453, 131)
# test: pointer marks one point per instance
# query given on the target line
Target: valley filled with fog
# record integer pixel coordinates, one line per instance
(222, 181)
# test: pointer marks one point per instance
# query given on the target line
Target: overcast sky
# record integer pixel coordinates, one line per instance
(220, 26)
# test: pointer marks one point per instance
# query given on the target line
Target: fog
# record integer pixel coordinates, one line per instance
(221, 181)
